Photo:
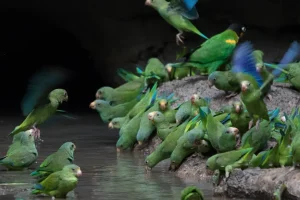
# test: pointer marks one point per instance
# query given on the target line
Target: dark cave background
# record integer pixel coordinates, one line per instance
(94, 38)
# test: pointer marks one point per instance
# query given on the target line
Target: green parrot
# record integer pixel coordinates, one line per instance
(295, 145)
(186, 8)
(143, 105)
(224, 80)
(55, 161)
(60, 183)
(146, 125)
(16, 143)
(221, 138)
(154, 72)
(263, 71)
(165, 149)
(117, 123)
(126, 75)
(252, 96)
(179, 73)
(179, 22)
(122, 94)
(191, 193)
(285, 149)
(239, 117)
(163, 126)
(190, 108)
(42, 112)
(184, 149)
(41, 99)
(22, 156)
(214, 52)
(107, 112)
(129, 132)
(221, 160)
(290, 74)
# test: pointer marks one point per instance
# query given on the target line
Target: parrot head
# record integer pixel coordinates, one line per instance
(169, 68)
(236, 133)
(245, 86)
(195, 98)
(115, 123)
(98, 104)
(155, 3)
(238, 28)
(68, 146)
(156, 117)
(151, 160)
(59, 94)
(163, 104)
(123, 143)
(259, 67)
(237, 107)
(74, 169)
(212, 78)
(103, 92)
(28, 136)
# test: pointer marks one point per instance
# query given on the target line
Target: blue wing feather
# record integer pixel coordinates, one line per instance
(273, 114)
(244, 62)
(189, 4)
(190, 14)
(291, 54)
(139, 71)
(40, 84)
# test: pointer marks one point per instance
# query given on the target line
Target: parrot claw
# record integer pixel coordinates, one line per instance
(250, 124)
(179, 38)
(291, 169)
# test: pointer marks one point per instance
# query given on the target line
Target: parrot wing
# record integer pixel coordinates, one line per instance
(41, 84)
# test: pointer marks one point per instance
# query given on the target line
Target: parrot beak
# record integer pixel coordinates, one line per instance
(241, 35)
(237, 109)
(283, 119)
(140, 142)
(110, 125)
(66, 98)
(173, 166)
(148, 3)
(210, 84)
(163, 106)
(118, 150)
(169, 68)
(151, 116)
(93, 105)
(244, 87)
(193, 98)
(79, 172)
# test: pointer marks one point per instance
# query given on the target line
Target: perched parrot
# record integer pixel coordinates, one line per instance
(22, 156)
(222, 80)
(16, 143)
(116, 123)
(165, 149)
(107, 112)
(239, 117)
(191, 193)
(122, 94)
(55, 161)
(190, 108)
(163, 126)
(221, 137)
(60, 183)
(178, 21)
(179, 73)
(146, 126)
(126, 75)
(252, 95)
(214, 52)
(154, 72)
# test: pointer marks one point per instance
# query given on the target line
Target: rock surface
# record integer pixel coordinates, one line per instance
(248, 183)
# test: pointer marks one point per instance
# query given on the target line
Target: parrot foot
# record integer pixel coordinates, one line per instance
(52, 198)
(179, 38)
(292, 169)
(37, 133)
(250, 124)
(231, 95)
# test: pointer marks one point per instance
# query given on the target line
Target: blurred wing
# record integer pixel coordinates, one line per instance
(40, 85)
(244, 62)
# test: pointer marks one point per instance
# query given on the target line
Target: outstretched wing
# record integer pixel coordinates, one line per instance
(43, 82)
(244, 62)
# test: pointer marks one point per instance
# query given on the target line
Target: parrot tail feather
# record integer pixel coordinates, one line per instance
(38, 186)
(34, 173)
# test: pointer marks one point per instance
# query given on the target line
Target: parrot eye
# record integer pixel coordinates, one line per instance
(244, 29)
(73, 169)
(248, 84)
(214, 79)
(65, 94)
(157, 114)
(30, 135)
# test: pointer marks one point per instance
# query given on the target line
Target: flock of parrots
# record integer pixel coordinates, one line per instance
(235, 136)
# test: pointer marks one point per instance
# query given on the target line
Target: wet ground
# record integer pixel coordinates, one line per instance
(106, 173)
